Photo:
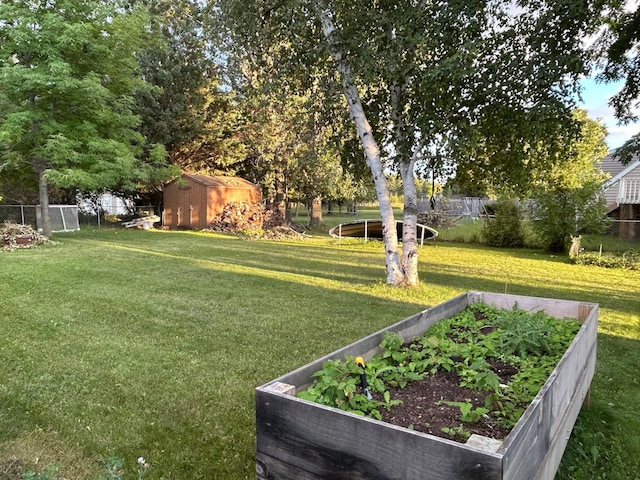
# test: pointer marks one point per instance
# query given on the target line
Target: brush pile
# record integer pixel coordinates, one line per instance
(14, 236)
(253, 220)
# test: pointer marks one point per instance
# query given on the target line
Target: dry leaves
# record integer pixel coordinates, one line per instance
(15, 236)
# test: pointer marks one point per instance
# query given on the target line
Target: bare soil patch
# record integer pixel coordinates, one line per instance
(423, 410)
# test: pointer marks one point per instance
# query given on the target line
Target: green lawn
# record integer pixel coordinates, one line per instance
(149, 343)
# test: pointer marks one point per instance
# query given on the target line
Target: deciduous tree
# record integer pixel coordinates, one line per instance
(568, 198)
(620, 54)
(473, 82)
(67, 74)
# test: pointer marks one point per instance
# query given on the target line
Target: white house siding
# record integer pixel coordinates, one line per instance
(630, 174)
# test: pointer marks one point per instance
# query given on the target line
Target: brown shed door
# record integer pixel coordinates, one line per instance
(184, 208)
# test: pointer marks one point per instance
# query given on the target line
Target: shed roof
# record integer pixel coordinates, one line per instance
(219, 181)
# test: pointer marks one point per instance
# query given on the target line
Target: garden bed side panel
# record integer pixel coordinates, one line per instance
(534, 448)
(306, 441)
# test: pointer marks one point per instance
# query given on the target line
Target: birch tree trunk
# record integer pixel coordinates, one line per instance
(410, 220)
(405, 138)
(394, 270)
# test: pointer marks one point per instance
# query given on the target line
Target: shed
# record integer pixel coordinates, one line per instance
(622, 192)
(193, 201)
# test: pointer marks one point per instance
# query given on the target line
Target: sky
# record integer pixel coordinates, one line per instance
(595, 101)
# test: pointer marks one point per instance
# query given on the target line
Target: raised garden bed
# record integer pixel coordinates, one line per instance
(300, 439)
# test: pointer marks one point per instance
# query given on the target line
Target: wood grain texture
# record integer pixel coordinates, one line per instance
(332, 444)
(297, 439)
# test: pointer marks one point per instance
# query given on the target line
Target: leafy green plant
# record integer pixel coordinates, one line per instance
(114, 468)
(505, 409)
(505, 229)
(525, 334)
(458, 431)
(465, 343)
(629, 260)
(534, 372)
(468, 413)
(388, 403)
(337, 385)
(479, 377)
(50, 472)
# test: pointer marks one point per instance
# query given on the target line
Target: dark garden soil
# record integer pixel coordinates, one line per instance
(423, 410)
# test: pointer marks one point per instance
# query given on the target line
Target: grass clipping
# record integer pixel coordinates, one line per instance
(44, 455)
(15, 236)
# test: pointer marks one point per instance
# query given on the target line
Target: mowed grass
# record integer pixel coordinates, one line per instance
(149, 343)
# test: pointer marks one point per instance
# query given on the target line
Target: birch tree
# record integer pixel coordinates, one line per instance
(473, 82)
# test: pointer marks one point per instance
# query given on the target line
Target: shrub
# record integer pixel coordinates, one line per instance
(629, 260)
(505, 229)
(561, 212)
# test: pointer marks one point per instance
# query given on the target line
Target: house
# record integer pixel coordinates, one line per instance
(193, 201)
(622, 192)
(107, 203)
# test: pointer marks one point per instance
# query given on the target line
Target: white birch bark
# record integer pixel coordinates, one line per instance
(406, 165)
(410, 219)
(394, 271)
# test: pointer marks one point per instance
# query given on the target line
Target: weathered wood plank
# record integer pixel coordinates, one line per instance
(576, 368)
(332, 444)
(549, 465)
(552, 306)
(297, 439)
(539, 430)
(269, 468)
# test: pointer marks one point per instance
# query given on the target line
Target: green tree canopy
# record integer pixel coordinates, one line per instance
(67, 74)
(182, 105)
(568, 198)
(472, 83)
(620, 52)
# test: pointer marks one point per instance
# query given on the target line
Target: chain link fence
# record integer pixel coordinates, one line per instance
(64, 218)
(69, 218)
(108, 215)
